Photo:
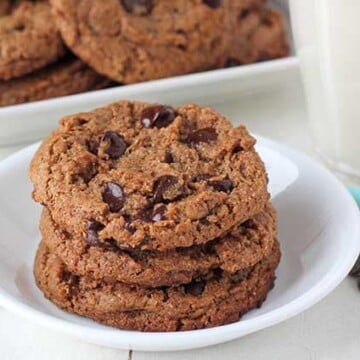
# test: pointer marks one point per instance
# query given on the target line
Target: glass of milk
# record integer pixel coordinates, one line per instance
(327, 40)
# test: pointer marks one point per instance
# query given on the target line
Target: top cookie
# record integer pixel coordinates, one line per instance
(29, 39)
(137, 40)
(149, 176)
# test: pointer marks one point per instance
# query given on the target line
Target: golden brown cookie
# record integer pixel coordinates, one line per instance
(205, 302)
(242, 247)
(29, 39)
(148, 176)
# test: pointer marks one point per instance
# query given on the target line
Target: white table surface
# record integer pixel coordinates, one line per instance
(329, 330)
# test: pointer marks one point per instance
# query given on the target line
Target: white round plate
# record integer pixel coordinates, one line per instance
(319, 236)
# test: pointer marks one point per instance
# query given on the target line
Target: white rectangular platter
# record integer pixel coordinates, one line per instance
(26, 123)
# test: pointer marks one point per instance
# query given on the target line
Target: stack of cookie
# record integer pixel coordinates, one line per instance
(62, 47)
(155, 218)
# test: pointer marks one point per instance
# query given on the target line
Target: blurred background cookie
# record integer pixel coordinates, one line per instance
(131, 41)
(29, 38)
(259, 36)
(66, 77)
(128, 41)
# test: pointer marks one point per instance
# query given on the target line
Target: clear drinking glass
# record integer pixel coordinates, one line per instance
(327, 40)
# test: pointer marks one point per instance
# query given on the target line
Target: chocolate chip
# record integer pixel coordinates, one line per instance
(250, 224)
(204, 135)
(137, 255)
(116, 144)
(169, 158)
(19, 27)
(272, 285)
(93, 227)
(210, 248)
(237, 148)
(225, 185)
(80, 121)
(244, 13)
(267, 21)
(132, 314)
(72, 282)
(130, 227)
(165, 292)
(138, 7)
(182, 47)
(92, 146)
(158, 213)
(355, 271)
(205, 221)
(162, 185)
(213, 3)
(89, 172)
(110, 244)
(218, 273)
(196, 287)
(231, 62)
(259, 303)
(114, 196)
(153, 214)
(240, 275)
(157, 116)
(13, 2)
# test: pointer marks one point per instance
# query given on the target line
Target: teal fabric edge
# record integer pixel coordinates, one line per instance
(355, 192)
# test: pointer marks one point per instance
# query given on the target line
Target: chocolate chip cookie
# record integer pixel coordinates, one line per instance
(137, 40)
(29, 39)
(148, 176)
(244, 246)
(209, 301)
(265, 38)
(69, 76)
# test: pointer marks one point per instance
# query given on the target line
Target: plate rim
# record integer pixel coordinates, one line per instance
(145, 341)
(254, 78)
(201, 78)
